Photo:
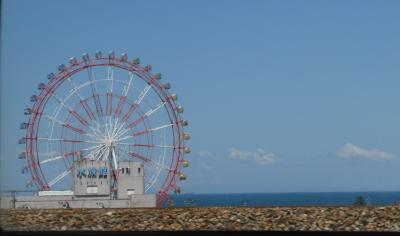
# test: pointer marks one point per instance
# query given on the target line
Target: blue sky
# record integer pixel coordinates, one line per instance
(281, 96)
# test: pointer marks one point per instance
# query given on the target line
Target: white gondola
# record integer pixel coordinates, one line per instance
(186, 136)
(187, 150)
(27, 111)
(124, 57)
(85, 57)
(174, 97)
(61, 67)
(182, 177)
(177, 190)
(179, 109)
(136, 61)
(98, 54)
(24, 170)
(157, 76)
(111, 55)
(22, 155)
(148, 68)
(184, 122)
(166, 86)
(23, 125)
(33, 98)
(41, 86)
(185, 163)
(22, 140)
(73, 61)
(50, 76)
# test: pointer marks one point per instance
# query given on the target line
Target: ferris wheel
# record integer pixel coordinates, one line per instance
(105, 108)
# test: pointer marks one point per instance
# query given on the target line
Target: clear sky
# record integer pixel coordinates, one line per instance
(281, 96)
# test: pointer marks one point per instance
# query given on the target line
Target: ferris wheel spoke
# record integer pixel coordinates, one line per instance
(130, 111)
(152, 183)
(69, 126)
(59, 177)
(109, 103)
(99, 108)
(70, 109)
(96, 152)
(125, 91)
(146, 145)
(53, 119)
(133, 107)
(117, 127)
(147, 114)
(144, 131)
(143, 94)
(63, 124)
(128, 86)
(118, 130)
(104, 154)
(120, 105)
(92, 147)
(75, 89)
(148, 160)
(96, 133)
(68, 140)
(60, 157)
(87, 109)
(96, 99)
(110, 76)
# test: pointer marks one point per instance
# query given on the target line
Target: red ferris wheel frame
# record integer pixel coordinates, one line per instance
(144, 73)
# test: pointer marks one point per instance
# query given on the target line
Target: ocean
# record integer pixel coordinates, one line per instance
(286, 199)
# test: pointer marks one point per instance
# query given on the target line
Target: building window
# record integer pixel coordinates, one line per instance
(138, 170)
(128, 171)
(123, 169)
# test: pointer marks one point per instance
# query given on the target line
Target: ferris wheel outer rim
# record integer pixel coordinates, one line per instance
(59, 79)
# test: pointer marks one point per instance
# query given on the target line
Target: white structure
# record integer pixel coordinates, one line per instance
(92, 178)
(93, 188)
(130, 179)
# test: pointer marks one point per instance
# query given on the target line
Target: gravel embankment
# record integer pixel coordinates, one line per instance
(385, 218)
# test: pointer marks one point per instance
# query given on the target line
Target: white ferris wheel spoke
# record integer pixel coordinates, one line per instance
(59, 157)
(146, 115)
(148, 160)
(143, 94)
(144, 131)
(151, 111)
(75, 89)
(128, 86)
(110, 76)
(51, 159)
(91, 79)
(59, 177)
(118, 129)
(147, 145)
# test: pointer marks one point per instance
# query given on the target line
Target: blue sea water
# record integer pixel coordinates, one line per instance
(285, 199)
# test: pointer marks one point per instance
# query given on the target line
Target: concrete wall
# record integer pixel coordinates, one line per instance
(91, 185)
(130, 179)
(50, 202)
(6, 202)
(148, 200)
